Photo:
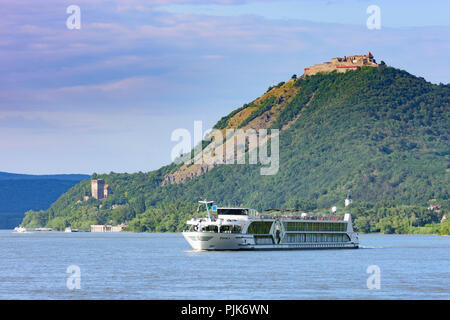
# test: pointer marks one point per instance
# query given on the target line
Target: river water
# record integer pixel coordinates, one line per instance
(162, 266)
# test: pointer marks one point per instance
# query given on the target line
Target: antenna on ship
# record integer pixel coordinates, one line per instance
(205, 202)
(207, 209)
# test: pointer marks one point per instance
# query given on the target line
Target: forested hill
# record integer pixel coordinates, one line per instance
(22, 192)
(379, 133)
(67, 177)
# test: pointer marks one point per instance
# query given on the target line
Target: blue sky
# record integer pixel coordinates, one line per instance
(397, 13)
(108, 96)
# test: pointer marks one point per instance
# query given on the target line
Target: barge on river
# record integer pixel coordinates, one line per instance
(247, 229)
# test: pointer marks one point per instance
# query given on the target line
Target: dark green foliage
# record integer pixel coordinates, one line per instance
(164, 218)
(298, 204)
(385, 217)
(308, 86)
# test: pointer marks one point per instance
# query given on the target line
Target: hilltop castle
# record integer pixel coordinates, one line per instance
(342, 64)
(99, 189)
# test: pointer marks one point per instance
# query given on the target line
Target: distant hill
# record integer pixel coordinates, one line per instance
(379, 133)
(20, 193)
(68, 177)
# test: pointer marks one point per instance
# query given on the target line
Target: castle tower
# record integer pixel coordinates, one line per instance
(97, 188)
(107, 191)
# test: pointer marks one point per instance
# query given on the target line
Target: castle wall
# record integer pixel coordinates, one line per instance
(342, 64)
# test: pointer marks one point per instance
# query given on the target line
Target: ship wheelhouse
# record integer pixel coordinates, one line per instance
(221, 220)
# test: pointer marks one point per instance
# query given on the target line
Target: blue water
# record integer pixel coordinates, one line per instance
(162, 266)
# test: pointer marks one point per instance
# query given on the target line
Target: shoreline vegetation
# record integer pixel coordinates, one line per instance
(367, 218)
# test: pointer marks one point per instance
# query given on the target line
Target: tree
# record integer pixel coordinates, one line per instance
(138, 204)
(362, 224)
(122, 214)
(385, 226)
(58, 223)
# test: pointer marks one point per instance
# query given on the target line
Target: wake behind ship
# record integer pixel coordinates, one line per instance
(247, 229)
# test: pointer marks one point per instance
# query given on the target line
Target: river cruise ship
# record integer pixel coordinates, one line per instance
(247, 229)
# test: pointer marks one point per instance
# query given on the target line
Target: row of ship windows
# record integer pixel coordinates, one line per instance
(314, 226)
(311, 237)
(216, 229)
(260, 227)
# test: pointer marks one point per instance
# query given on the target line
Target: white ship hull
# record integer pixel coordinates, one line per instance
(218, 241)
(210, 241)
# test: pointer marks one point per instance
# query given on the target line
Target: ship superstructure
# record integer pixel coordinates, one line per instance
(247, 229)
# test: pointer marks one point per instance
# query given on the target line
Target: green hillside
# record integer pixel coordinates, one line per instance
(379, 133)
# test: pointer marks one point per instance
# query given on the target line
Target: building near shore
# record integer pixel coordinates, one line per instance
(107, 228)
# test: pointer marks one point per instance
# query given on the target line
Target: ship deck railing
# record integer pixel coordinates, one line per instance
(296, 217)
